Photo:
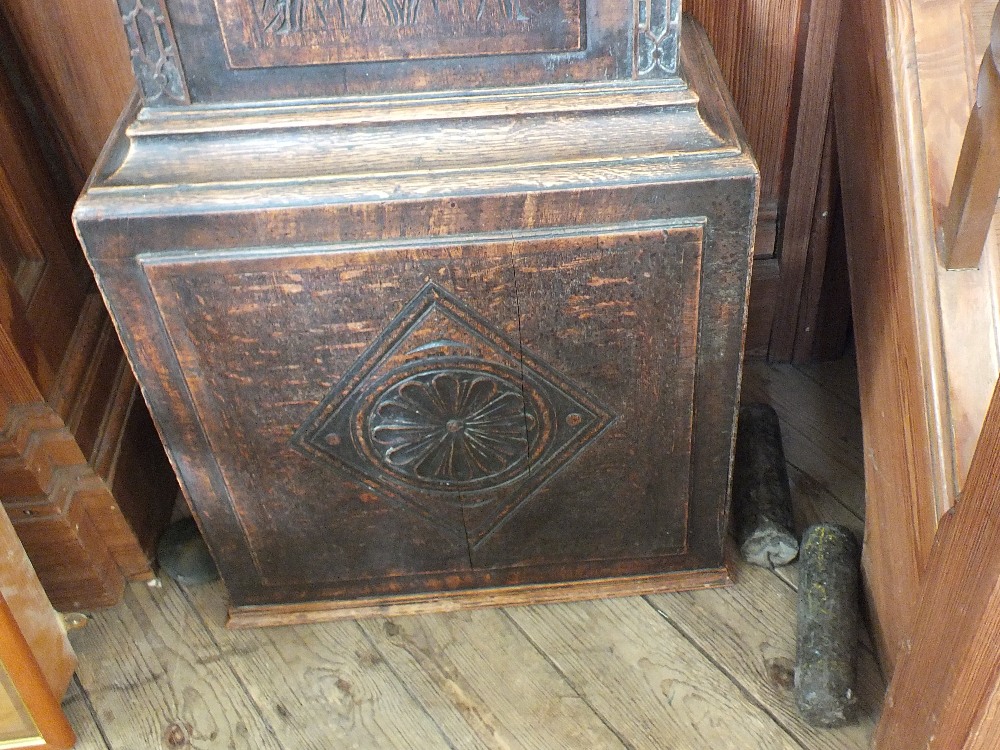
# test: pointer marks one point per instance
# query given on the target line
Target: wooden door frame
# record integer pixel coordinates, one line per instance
(945, 693)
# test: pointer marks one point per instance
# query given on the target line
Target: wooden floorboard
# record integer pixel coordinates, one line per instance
(707, 669)
(76, 706)
(319, 686)
(646, 679)
(755, 646)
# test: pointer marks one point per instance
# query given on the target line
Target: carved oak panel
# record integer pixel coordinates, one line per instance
(439, 402)
(265, 33)
(260, 50)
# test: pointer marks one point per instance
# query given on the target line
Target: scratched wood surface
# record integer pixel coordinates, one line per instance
(692, 670)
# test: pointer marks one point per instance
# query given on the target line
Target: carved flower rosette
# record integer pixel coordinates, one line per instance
(454, 425)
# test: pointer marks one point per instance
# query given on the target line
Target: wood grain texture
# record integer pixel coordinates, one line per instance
(329, 339)
(275, 51)
(952, 647)
(968, 303)
(493, 692)
(203, 703)
(977, 181)
(59, 347)
(805, 175)
(45, 276)
(821, 439)
(832, 332)
(628, 662)
(825, 305)
(77, 709)
(754, 644)
(763, 299)
(74, 47)
(474, 679)
(872, 137)
(758, 45)
(256, 616)
(777, 58)
(926, 337)
(322, 685)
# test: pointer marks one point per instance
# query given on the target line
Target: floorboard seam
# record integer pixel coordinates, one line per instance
(225, 660)
(843, 398)
(92, 711)
(720, 668)
(621, 738)
(829, 494)
(406, 688)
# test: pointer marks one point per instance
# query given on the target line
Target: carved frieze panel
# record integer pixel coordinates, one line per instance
(657, 33)
(153, 50)
(269, 33)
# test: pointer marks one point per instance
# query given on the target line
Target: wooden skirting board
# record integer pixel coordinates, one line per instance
(449, 601)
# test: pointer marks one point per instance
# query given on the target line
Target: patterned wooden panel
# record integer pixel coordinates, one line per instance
(487, 403)
(264, 33)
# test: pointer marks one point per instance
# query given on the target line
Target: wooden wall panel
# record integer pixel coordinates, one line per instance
(900, 517)
(45, 265)
(81, 472)
(757, 45)
(928, 339)
(76, 55)
(945, 691)
(777, 58)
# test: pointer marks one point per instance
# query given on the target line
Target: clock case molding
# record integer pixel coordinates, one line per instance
(551, 156)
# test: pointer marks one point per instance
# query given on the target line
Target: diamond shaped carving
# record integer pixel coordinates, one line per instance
(444, 409)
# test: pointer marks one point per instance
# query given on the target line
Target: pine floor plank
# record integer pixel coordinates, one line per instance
(646, 679)
(813, 410)
(319, 686)
(812, 502)
(156, 679)
(88, 733)
(486, 684)
(748, 631)
(839, 473)
(837, 377)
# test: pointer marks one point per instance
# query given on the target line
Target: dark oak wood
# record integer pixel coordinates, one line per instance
(439, 347)
(508, 596)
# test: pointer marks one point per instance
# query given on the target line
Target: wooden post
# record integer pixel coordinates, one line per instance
(977, 179)
(945, 693)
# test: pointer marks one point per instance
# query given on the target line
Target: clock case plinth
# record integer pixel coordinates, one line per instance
(295, 281)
